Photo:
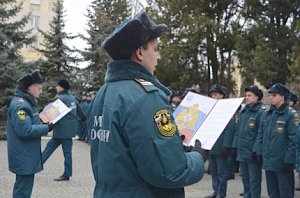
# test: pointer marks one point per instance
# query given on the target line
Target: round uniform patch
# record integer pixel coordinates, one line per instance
(164, 123)
(21, 115)
(280, 126)
(251, 124)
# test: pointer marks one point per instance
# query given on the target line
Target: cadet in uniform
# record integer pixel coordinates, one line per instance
(245, 137)
(82, 125)
(219, 155)
(136, 150)
(234, 165)
(293, 99)
(89, 101)
(64, 129)
(24, 131)
(276, 142)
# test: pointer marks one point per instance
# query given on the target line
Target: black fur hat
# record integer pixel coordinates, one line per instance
(25, 81)
(218, 89)
(280, 89)
(254, 89)
(293, 97)
(64, 83)
(130, 35)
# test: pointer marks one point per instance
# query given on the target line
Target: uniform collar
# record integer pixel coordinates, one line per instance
(282, 108)
(64, 92)
(254, 107)
(129, 70)
(25, 95)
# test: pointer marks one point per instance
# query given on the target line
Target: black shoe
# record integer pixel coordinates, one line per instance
(241, 194)
(231, 177)
(62, 178)
(297, 189)
(211, 196)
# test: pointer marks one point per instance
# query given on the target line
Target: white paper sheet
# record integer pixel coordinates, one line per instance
(216, 121)
(54, 111)
(204, 118)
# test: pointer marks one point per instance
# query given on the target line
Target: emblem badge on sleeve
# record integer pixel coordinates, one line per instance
(164, 123)
(21, 115)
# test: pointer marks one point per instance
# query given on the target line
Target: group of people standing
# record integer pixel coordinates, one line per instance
(136, 148)
(25, 128)
(84, 104)
(258, 137)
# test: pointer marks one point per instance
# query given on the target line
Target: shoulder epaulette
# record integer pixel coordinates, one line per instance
(148, 86)
(21, 101)
(292, 110)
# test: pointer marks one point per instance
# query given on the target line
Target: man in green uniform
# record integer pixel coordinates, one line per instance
(82, 124)
(276, 143)
(64, 129)
(245, 137)
(24, 131)
(136, 150)
(219, 155)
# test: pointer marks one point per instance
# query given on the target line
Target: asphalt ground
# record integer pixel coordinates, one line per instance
(82, 183)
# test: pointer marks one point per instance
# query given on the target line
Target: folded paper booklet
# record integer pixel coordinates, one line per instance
(54, 111)
(204, 118)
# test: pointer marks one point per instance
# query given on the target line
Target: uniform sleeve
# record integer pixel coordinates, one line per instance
(62, 98)
(229, 134)
(22, 122)
(159, 157)
(80, 112)
(258, 121)
(235, 136)
(290, 155)
(257, 148)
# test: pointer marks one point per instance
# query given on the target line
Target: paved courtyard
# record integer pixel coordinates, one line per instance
(82, 183)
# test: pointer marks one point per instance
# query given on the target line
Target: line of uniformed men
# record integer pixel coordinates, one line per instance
(260, 138)
(85, 103)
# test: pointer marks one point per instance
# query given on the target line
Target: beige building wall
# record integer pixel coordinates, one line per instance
(41, 14)
(237, 77)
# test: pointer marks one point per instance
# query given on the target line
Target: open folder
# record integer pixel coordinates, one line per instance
(204, 118)
(54, 111)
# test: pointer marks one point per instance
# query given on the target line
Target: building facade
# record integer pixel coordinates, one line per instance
(41, 14)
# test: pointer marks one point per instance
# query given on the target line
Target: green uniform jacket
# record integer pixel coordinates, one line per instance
(276, 140)
(136, 151)
(68, 125)
(24, 131)
(247, 131)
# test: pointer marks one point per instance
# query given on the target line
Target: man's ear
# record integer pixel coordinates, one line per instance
(138, 54)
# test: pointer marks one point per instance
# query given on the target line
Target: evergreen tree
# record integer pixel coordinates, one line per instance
(103, 17)
(265, 47)
(198, 47)
(12, 38)
(58, 60)
(295, 64)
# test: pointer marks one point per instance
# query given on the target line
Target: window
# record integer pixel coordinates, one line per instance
(34, 21)
(35, 2)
